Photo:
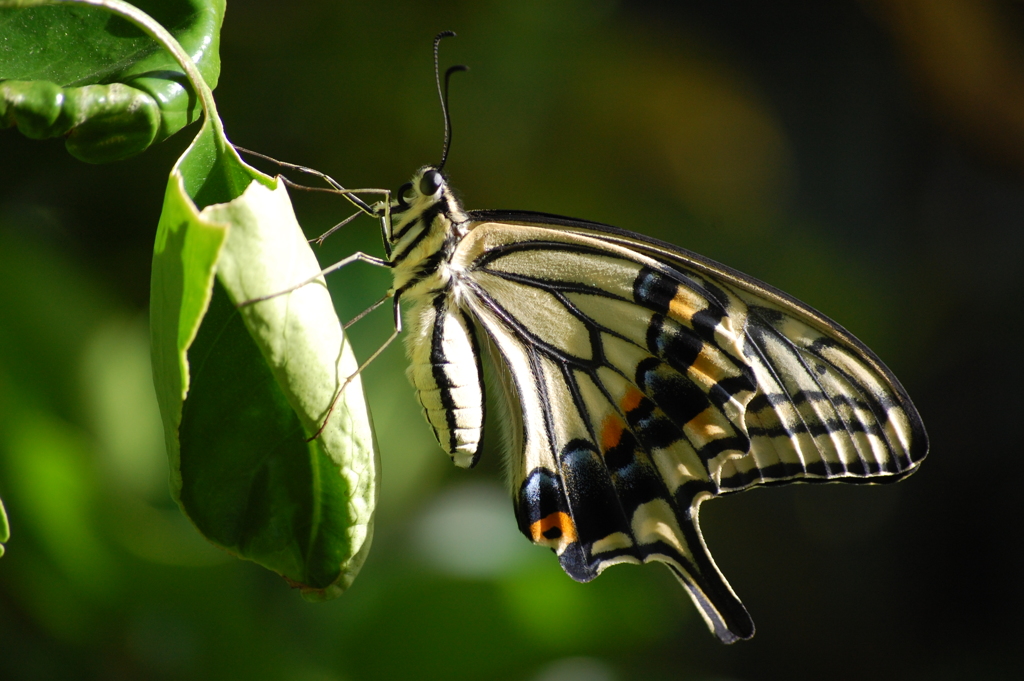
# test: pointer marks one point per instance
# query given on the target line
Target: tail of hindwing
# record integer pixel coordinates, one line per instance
(593, 520)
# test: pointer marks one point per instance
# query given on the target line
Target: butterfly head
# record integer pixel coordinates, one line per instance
(418, 202)
(424, 190)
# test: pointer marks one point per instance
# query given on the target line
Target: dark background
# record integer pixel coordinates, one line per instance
(864, 156)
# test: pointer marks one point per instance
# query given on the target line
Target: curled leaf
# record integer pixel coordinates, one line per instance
(81, 72)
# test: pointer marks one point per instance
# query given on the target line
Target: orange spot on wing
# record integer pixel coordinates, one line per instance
(611, 432)
(631, 400)
(540, 531)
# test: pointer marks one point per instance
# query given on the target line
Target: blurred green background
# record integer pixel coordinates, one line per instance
(865, 156)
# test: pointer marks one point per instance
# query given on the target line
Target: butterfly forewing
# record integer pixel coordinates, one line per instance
(824, 405)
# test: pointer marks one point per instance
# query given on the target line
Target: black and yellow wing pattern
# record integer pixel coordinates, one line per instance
(641, 380)
(649, 379)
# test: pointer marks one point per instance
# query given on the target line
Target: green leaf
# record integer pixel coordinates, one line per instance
(241, 390)
(81, 72)
(261, 382)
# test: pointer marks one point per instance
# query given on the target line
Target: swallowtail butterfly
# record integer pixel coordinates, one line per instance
(641, 379)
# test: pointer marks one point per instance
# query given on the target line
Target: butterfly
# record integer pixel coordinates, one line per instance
(640, 380)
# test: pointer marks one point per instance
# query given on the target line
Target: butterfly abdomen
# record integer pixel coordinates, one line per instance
(444, 367)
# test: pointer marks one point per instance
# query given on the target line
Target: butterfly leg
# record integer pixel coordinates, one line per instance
(376, 353)
(366, 311)
(319, 241)
(385, 344)
(336, 187)
(358, 256)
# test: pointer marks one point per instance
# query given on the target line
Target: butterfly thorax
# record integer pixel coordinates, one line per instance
(425, 230)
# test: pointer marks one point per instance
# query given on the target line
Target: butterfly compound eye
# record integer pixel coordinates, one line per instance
(430, 182)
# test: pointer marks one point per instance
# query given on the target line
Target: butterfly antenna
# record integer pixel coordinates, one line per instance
(443, 94)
